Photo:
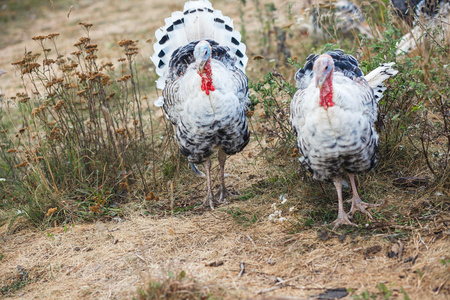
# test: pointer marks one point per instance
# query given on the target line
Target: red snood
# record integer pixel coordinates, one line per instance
(326, 94)
(207, 84)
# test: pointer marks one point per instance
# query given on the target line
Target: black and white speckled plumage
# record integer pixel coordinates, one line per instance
(333, 115)
(201, 63)
(407, 9)
(203, 122)
(336, 16)
(342, 138)
(428, 15)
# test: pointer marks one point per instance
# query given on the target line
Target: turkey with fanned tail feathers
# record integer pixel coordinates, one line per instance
(333, 115)
(201, 61)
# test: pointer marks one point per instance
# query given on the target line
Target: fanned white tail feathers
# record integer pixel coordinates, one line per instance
(197, 21)
(377, 77)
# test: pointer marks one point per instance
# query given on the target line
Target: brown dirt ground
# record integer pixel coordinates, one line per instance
(112, 260)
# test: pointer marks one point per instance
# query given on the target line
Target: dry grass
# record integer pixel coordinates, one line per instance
(111, 260)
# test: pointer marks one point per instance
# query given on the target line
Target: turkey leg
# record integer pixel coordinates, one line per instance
(343, 218)
(357, 203)
(209, 196)
(223, 192)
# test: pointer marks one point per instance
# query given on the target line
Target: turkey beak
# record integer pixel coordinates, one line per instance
(201, 66)
(319, 81)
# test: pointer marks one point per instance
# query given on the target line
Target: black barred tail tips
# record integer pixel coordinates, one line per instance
(198, 21)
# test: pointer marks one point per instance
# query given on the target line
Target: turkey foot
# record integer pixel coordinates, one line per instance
(208, 200)
(342, 220)
(359, 205)
(223, 194)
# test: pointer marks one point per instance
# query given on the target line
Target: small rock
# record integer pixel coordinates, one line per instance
(394, 251)
(372, 250)
(215, 264)
(333, 294)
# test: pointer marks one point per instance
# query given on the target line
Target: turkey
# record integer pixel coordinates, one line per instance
(333, 115)
(201, 61)
(429, 15)
(405, 9)
(336, 16)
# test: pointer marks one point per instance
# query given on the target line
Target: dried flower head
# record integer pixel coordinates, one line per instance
(59, 104)
(85, 40)
(124, 78)
(121, 131)
(39, 38)
(151, 197)
(22, 130)
(48, 61)
(52, 35)
(126, 43)
(86, 25)
(50, 211)
(35, 112)
(23, 164)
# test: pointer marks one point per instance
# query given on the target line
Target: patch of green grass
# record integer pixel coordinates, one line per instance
(384, 292)
(242, 217)
(19, 281)
(246, 195)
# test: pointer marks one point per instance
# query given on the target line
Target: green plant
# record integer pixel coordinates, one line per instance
(384, 290)
(275, 93)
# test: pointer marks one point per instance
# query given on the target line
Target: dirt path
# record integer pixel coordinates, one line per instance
(112, 260)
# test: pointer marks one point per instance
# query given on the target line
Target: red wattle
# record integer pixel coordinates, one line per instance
(326, 94)
(207, 84)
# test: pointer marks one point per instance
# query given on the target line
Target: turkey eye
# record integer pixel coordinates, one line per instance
(326, 68)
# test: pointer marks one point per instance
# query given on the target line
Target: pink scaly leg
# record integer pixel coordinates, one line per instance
(343, 218)
(209, 197)
(223, 192)
(357, 203)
